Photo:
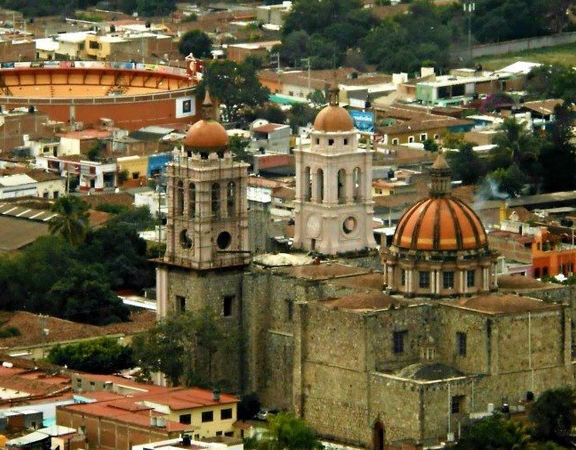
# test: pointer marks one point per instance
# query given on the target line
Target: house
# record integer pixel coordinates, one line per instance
(273, 14)
(118, 422)
(239, 52)
(270, 138)
(417, 131)
(80, 142)
(88, 175)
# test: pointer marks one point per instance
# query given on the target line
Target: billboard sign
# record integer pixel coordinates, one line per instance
(185, 107)
(363, 120)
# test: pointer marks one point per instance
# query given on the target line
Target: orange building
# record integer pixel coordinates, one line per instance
(550, 256)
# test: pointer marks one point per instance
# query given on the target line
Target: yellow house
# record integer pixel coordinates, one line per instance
(101, 48)
(136, 166)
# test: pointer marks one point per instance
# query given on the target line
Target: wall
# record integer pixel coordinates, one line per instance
(517, 45)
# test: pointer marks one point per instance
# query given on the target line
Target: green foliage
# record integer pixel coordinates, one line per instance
(112, 208)
(182, 347)
(494, 433)
(95, 356)
(430, 145)
(155, 8)
(271, 113)
(288, 432)
(511, 180)
(501, 20)
(72, 221)
(466, 164)
(553, 415)
(248, 407)
(301, 115)
(235, 86)
(95, 151)
(193, 17)
(238, 148)
(9, 332)
(196, 42)
(407, 42)
(552, 81)
(317, 98)
(137, 218)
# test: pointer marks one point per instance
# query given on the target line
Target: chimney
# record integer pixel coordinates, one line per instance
(216, 394)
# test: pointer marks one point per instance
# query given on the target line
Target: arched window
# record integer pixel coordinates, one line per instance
(341, 186)
(320, 185)
(179, 198)
(192, 200)
(231, 198)
(307, 185)
(215, 200)
(357, 184)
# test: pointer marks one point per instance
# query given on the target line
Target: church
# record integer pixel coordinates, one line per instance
(368, 357)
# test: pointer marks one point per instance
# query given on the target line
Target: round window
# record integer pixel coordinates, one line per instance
(349, 225)
(223, 240)
(185, 240)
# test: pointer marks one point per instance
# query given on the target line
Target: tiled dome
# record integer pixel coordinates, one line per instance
(333, 118)
(440, 223)
(206, 135)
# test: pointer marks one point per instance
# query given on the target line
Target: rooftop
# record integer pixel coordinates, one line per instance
(497, 304)
(366, 302)
(323, 271)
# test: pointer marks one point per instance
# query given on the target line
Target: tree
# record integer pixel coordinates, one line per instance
(494, 433)
(430, 145)
(235, 85)
(196, 42)
(177, 345)
(510, 181)
(72, 219)
(552, 81)
(286, 431)
(552, 415)
(466, 164)
(317, 98)
(155, 8)
(104, 356)
(248, 407)
(301, 115)
(84, 295)
(558, 154)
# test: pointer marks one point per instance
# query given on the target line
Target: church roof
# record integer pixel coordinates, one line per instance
(366, 301)
(502, 304)
(429, 372)
(323, 271)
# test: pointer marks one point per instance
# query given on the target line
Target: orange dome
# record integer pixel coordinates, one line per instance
(440, 223)
(206, 135)
(333, 118)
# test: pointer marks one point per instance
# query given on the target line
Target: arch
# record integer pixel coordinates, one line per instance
(231, 198)
(179, 205)
(307, 185)
(357, 184)
(341, 183)
(192, 200)
(378, 436)
(320, 185)
(215, 200)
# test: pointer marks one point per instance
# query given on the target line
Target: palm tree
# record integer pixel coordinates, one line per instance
(72, 219)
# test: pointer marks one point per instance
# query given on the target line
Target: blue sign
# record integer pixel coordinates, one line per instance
(363, 120)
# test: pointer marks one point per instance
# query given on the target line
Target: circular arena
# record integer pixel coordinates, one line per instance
(130, 94)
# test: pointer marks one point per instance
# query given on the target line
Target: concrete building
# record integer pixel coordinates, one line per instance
(86, 175)
(270, 138)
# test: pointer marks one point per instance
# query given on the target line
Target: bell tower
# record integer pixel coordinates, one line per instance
(333, 186)
(207, 224)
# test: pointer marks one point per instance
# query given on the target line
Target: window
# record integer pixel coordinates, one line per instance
(215, 200)
(403, 277)
(179, 198)
(424, 279)
(181, 303)
(227, 305)
(56, 194)
(341, 182)
(186, 419)
(94, 45)
(307, 185)
(208, 416)
(411, 139)
(423, 137)
(229, 433)
(457, 404)
(398, 341)
(289, 309)
(320, 185)
(317, 141)
(470, 278)
(378, 191)
(448, 280)
(395, 141)
(345, 141)
(231, 198)
(218, 433)
(461, 343)
(46, 194)
(192, 200)
(356, 184)
(226, 413)
(330, 141)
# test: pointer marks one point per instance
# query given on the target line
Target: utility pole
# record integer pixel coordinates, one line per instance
(307, 61)
(469, 7)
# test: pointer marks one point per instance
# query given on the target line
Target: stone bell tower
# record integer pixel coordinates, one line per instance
(207, 224)
(333, 186)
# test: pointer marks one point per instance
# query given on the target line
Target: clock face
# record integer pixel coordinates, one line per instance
(313, 226)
